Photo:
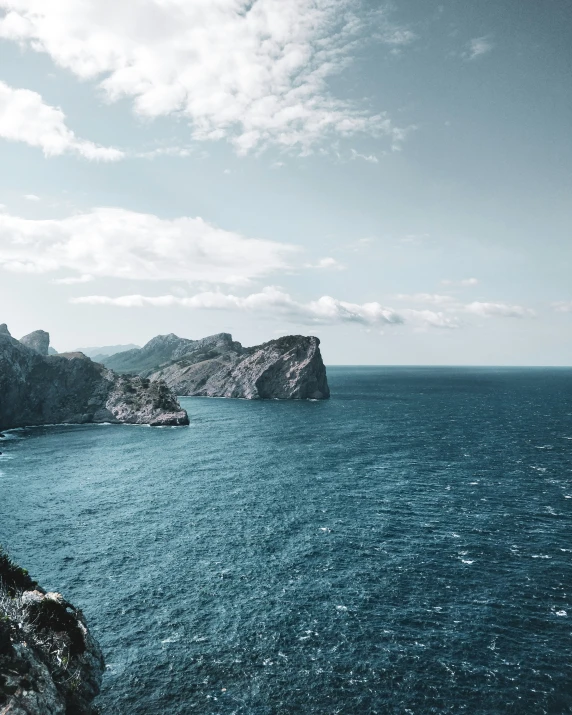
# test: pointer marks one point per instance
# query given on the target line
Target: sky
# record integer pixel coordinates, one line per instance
(395, 178)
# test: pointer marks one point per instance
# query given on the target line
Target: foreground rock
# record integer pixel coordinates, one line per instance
(49, 662)
(287, 368)
(37, 389)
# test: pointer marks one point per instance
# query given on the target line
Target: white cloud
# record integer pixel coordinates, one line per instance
(164, 151)
(253, 72)
(465, 282)
(25, 117)
(502, 310)
(328, 262)
(563, 306)
(477, 47)
(31, 197)
(427, 298)
(371, 158)
(423, 319)
(272, 302)
(124, 244)
(397, 36)
(73, 280)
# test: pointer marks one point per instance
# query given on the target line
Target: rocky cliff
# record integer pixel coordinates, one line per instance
(290, 367)
(36, 389)
(49, 662)
(39, 341)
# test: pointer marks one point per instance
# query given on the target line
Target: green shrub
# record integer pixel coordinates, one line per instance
(12, 577)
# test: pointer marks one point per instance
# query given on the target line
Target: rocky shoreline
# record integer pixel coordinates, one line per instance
(38, 388)
(50, 664)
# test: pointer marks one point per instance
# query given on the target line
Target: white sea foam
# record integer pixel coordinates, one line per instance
(171, 639)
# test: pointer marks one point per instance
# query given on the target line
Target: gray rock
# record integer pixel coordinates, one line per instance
(287, 368)
(69, 388)
(49, 662)
(39, 341)
(165, 349)
(4, 329)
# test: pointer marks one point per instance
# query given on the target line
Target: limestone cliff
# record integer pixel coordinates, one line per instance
(49, 662)
(39, 341)
(38, 389)
(290, 367)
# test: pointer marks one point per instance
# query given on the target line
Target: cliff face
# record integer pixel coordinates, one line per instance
(38, 389)
(49, 662)
(165, 349)
(39, 341)
(287, 368)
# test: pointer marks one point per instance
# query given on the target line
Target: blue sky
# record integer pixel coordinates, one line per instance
(394, 178)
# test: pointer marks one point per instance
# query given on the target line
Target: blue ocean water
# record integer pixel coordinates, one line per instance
(405, 547)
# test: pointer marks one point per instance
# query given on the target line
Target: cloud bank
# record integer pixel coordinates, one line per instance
(252, 72)
(563, 306)
(112, 242)
(25, 117)
(491, 310)
(273, 302)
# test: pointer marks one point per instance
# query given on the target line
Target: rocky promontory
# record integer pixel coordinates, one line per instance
(290, 367)
(37, 389)
(49, 662)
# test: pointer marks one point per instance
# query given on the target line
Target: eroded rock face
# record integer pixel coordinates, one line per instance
(287, 368)
(164, 349)
(39, 341)
(49, 662)
(48, 389)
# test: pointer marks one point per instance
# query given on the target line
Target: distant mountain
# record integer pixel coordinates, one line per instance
(290, 367)
(37, 389)
(165, 349)
(105, 351)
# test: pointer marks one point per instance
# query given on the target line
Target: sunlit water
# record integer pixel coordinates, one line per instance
(405, 547)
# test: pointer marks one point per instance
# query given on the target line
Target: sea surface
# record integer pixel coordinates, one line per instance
(405, 547)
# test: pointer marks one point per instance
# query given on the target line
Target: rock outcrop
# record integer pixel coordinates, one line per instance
(39, 341)
(290, 367)
(40, 389)
(49, 662)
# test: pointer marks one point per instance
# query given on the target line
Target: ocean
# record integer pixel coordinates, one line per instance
(405, 547)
